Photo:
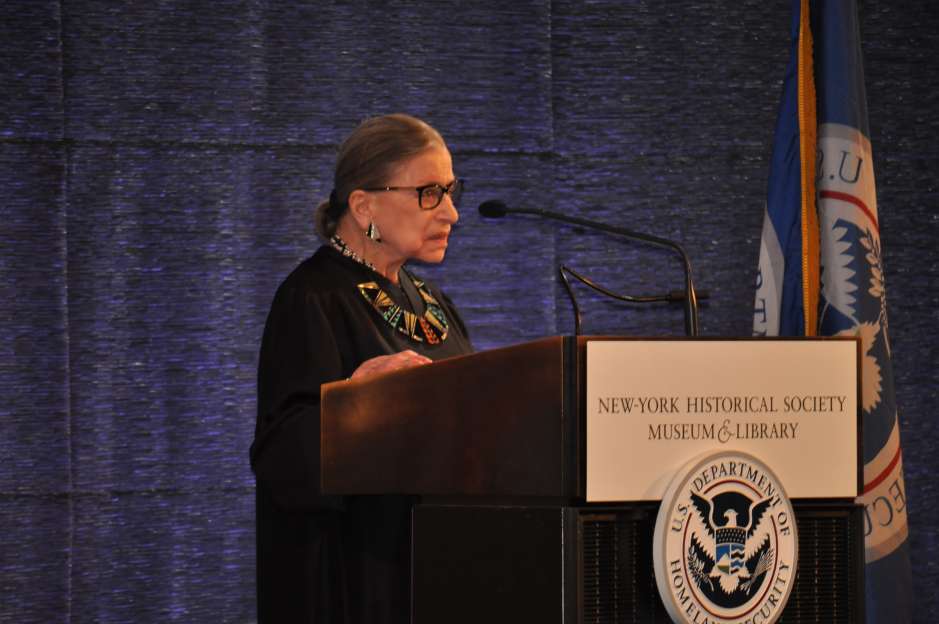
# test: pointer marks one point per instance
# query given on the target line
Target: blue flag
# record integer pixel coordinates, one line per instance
(821, 264)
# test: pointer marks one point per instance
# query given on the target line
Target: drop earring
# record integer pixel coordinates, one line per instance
(372, 232)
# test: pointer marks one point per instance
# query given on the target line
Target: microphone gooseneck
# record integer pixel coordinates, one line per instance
(495, 208)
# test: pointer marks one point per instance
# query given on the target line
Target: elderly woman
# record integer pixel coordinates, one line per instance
(351, 310)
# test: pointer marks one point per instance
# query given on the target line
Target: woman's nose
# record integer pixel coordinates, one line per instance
(447, 210)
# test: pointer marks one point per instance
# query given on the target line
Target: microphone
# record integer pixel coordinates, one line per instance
(493, 208)
(496, 208)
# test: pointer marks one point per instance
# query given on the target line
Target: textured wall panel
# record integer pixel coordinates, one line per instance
(179, 556)
(280, 71)
(34, 559)
(34, 422)
(171, 255)
(31, 70)
(664, 119)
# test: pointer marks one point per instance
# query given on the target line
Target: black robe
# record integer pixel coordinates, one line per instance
(319, 558)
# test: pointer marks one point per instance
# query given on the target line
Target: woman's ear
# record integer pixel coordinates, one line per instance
(360, 207)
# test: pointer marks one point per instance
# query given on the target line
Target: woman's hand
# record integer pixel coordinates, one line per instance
(387, 363)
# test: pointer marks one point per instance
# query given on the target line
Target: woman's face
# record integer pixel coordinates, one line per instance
(407, 231)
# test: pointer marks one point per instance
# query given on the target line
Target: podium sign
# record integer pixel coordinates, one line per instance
(653, 405)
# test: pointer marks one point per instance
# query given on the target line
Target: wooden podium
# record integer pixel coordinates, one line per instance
(495, 444)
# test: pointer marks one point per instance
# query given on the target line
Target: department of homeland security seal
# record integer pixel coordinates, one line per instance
(725, 544)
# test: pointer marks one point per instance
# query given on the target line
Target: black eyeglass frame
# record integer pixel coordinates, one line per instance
(454, 190)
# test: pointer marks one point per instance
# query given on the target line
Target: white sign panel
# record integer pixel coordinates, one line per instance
(652, 405)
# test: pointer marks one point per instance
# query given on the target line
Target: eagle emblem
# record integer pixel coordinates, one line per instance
(730, 549)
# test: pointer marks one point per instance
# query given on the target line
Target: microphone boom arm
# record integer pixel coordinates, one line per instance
(691, 300)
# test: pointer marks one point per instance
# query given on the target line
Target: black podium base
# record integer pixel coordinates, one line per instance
(593, 565)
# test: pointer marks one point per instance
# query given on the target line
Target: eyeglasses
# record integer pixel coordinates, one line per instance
(429, 196)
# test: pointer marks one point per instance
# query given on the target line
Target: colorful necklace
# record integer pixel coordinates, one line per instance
(431, 328)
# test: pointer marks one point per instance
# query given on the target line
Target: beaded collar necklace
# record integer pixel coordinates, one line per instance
(431, 328)
(340, 245)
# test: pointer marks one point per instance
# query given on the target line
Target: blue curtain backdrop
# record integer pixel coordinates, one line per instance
(159, 165)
